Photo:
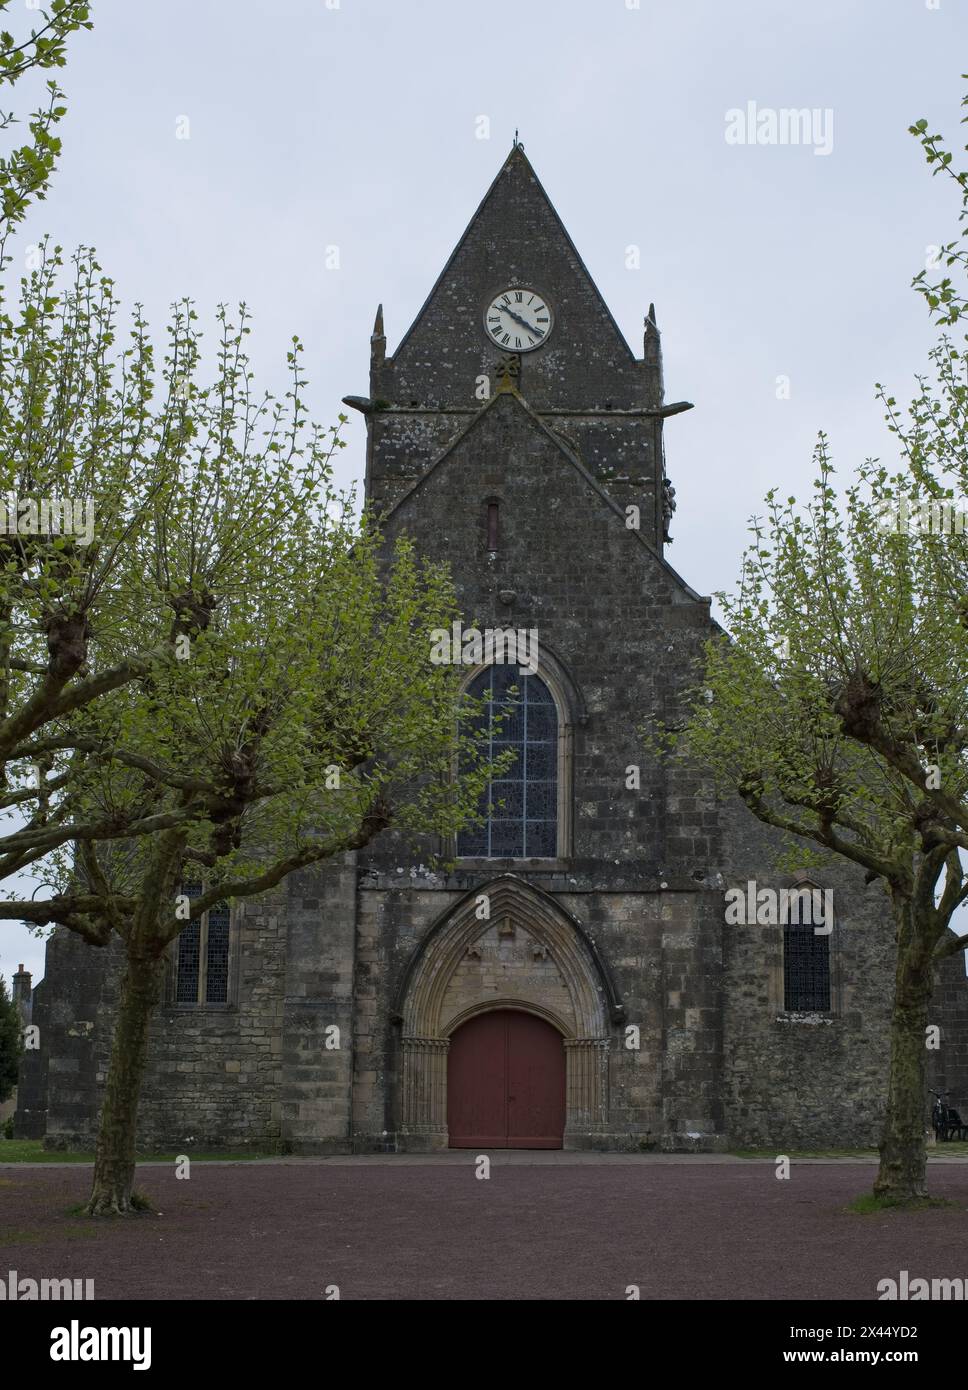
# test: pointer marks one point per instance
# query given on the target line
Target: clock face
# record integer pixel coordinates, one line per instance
(518, 320)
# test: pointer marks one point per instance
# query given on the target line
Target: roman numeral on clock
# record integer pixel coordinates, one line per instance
(509, 319)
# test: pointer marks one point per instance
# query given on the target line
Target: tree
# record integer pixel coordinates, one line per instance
(26, 169)
(11, 1044)
(226, 681)
(927, 502)
(86, 460)
(820, 599)
(837, 706)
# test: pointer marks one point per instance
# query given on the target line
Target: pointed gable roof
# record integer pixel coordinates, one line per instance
(516, 236)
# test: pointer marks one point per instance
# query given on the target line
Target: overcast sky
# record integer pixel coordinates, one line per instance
(314, 124)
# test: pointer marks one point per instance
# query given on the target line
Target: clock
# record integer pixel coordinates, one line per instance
(518, 320)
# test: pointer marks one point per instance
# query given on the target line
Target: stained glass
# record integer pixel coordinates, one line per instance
(523, 820)
(189, 958)
(205, 938)
(217, 955)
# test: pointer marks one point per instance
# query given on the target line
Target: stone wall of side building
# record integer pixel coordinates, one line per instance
(254, 1073)
(948, 1064)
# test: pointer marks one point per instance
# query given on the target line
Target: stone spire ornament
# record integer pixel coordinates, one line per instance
(378, 339)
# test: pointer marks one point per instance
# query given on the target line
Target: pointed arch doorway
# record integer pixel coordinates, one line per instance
(506, 1082)
(527, 955)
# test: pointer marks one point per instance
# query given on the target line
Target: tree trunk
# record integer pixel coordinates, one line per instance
(114, 1158)
(902, 1173)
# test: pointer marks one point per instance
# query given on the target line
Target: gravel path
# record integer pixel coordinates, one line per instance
(387, 1229)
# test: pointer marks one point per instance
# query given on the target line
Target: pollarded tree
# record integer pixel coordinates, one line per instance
(288, 708)
(926, 503)
(838, 706)
(86, 457)
(823, 594)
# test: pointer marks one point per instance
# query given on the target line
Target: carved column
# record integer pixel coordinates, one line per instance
(587, 1085)
(424, 1087)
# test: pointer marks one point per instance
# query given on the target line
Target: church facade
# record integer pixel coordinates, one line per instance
(573, 978)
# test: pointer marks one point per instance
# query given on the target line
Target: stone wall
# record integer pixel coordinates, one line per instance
(805, 1080)
(30, 1116)
(60, 1089)
(317, 1035)
(390, 925)
(948, 1066)
(663, 951)
(253, 1073)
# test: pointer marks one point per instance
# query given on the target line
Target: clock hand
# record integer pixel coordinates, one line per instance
(518, 319)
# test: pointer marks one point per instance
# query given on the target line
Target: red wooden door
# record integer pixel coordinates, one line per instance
(506, 1083)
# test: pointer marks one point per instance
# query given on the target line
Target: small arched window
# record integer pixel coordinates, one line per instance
(523, 820)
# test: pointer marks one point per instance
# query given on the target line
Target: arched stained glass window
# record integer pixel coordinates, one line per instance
(523, 821)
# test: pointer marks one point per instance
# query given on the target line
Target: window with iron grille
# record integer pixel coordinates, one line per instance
(202, 959)
(806, 969)
(523, 820)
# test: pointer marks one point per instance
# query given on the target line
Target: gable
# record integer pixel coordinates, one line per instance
(516, 237)
(508, 454)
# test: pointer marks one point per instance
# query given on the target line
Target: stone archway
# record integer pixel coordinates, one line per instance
(528, 954)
